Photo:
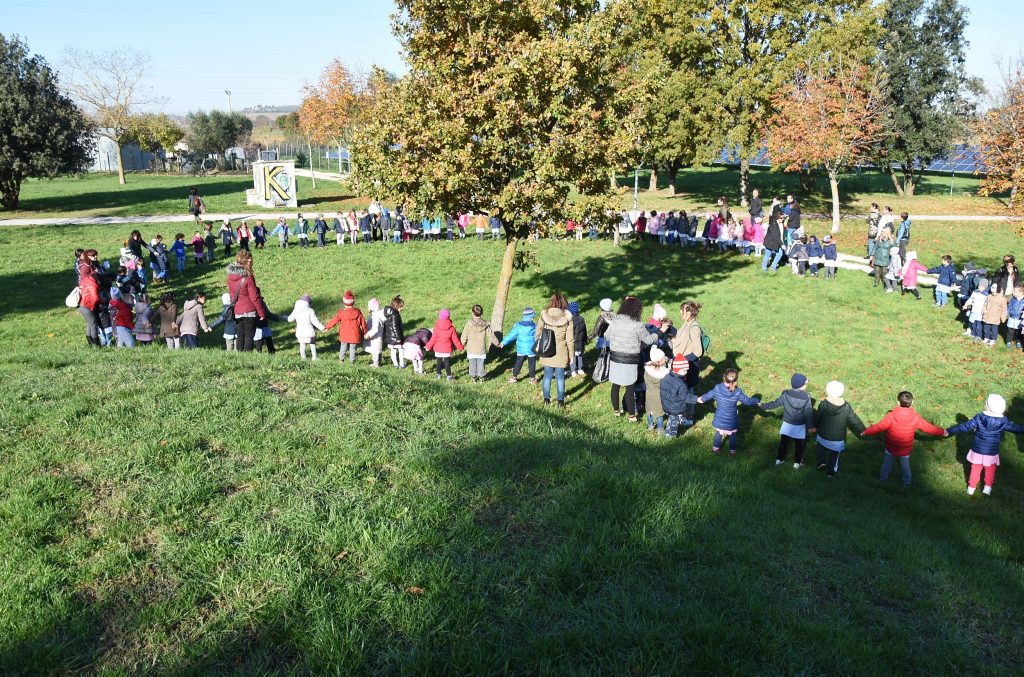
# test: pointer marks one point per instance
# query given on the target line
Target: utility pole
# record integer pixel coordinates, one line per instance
(228, 92)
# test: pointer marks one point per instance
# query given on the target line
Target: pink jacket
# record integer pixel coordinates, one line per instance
(910, 272)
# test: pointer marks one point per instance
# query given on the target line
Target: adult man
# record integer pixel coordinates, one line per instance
(756, 208)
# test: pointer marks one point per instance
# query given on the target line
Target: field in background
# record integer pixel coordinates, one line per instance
(198, 511)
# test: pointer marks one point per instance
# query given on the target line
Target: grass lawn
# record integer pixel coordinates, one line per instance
(203, 512)
(153, 194)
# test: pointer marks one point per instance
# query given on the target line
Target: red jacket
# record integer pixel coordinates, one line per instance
(124, 316)
(351, 325)
(89, 286)
(444, 339)
(249, 299)
(899, 426)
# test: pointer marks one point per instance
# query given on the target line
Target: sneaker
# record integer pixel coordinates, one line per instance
(451, 378)
(437, 377)
(1009, 345)
(822, 466)
(1018, 345)
(888, 291)
(513, 380)
(797, 466)
(970, 491)
(534, 381)
(547, 402)
(987, 490)
(778, 462)
(686, 423)
(715, 450)
(732, 452)
(967, 333)
(561, 404)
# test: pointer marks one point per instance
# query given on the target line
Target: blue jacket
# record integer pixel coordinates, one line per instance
(178, 248)
(830, 252)
(988, 432)
(903, 233)
(946, 273)
(814, 250)
(726, 401)
(1015, 308)
(523, 334)
(675, 395)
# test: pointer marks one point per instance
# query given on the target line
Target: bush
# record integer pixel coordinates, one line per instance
(301, 159)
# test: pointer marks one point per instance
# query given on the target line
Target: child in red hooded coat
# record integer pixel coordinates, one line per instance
(444, 341)
(351, 327)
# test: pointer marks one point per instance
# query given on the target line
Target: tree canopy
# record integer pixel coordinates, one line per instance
(42, 132)
(217, 131)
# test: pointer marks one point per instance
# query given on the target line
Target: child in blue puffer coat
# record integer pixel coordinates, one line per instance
(523, 335)
(1015, 315)
(727, 395)
(831, 255)
(988, 427)
(815, 255)
(946, 281)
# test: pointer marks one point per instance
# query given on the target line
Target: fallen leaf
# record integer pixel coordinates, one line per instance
(414, 590)
(341, 555)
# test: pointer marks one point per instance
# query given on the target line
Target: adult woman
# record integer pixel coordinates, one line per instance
(689, 342)
(772, 244)
(1008, 276)
(136, 244)
(557, 319)
(249, 306)
(626, 337)
(880, 258)
(89, 286)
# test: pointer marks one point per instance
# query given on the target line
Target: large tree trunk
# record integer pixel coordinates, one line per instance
(504, 284)
(909, 182)
(673, 171)
(744, 181)
(612, 183)
(120, 163)
(895, 180)
(833, 182)
(10, 193)
(653, 183)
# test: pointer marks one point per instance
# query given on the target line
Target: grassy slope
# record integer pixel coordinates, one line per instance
(100, 195)
(204, 512)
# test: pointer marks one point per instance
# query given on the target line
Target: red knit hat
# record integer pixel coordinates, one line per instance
(349, 299)
(679, 364)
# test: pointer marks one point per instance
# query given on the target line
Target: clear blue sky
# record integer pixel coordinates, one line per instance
(263, 51)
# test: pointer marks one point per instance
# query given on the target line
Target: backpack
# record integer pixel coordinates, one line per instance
(544, 346)
(705, 341)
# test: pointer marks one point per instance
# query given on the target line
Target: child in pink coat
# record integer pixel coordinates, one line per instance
(910, 270)
(444, 341)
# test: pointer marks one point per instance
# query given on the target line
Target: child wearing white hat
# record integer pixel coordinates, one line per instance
(603, 320)
(832, 418)
(988, 428)
(655, 372)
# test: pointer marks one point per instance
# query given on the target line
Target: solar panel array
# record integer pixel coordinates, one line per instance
(963, 160)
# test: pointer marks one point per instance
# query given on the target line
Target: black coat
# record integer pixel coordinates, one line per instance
(773, 237)
(393, 335)
(1005, 280)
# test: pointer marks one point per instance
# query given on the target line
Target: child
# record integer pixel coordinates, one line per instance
(124, 319)
(603, 320)
(264, 336)
(244, 235)
(1015, 316)
(413, 348)
(831, 255)
(227, 318)
(168, 312)
(727, 396)
(478, 338)
(968, 284)
(281, 230)
(373, 342)
(393, 334)
(444, 341)
(178, 249)
(675, 395)
(351, 327)
(227, 236)
(833, 416)
(994, 314)
(192, 318)
(210, 241)
(899, 426)
(988, 427)
(198, 248)
(339, 229)
(579, 335)
(797, 418)
(655, 372)
(895, 267)
(910, 271)
(946, 281)
(798, 257)
(306, 325)
(815, 255)
(302, 229)
(259, 235)
(758, 238)
(158, 258)
(976, 305)
(144, 329)
(523, 334)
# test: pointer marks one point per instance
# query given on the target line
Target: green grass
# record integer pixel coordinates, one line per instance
(198, 512)
(155, 194)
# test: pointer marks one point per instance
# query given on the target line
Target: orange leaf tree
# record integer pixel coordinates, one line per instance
(1001, 135)
(330, 108)
(826, 117)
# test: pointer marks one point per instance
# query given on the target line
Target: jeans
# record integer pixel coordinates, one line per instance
(887, 468)
(366, 238)
(871, 247)
(662, 237)
(303, 242)
(903, 249)
(518, 366)
(92, 325)
(656, 423)
(125, 339)
(941, 297)
(245, 332)
(593, 233)
(444, 363)
(476, 367)
(990, 332)
(320, 240)
(397, 236)
(734, 441)
(976, 329)
(559, 374)
(351, 348)
(181, 263)
(775, 262)
(577, 364)
(190, 340)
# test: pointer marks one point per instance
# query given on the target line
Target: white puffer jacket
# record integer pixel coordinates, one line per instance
(306, 321)
(373, 341)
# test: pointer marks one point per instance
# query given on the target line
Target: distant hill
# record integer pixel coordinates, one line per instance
(268, 109)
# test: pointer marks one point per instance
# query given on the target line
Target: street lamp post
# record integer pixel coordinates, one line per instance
(228, 92)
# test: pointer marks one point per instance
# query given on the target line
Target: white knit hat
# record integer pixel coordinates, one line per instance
(911, 256)
(995, 405)
(657, 354)
(659, 312)
(225, 298)
(835, 389)
(606, 305)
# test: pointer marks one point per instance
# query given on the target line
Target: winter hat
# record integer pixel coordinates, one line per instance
(115, 293)
(679, 364)
(798, 381)
(528, 313)
(894, 250)
(995, 405)
(373, 305)
(444, 314)
(348, 299)
(659, 312)
(911, 256)
(835, 389)
(574, 307)
(225, 298)
(306, 297)
(657, 354)
(982, 284)
(828, 238)
(606, 305)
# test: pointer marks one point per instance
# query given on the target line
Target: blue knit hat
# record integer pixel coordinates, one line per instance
(798, 381)
(574, 307)
(528, 313)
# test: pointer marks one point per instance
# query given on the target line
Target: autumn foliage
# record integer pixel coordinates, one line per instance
(1001, 135)
(330, 108)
